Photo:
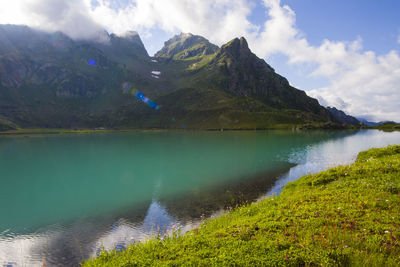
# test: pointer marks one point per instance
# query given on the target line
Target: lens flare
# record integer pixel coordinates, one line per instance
(128, 89)
(152, 104)
(140, 96)
(92, 62)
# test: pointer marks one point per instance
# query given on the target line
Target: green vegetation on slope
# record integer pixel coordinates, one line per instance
(347, 215)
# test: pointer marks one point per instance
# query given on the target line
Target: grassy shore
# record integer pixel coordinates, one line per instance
(71, 131)
(29, 131)
(349, 215)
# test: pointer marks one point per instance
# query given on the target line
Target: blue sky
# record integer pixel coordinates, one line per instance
(344, 53)
(376, 22)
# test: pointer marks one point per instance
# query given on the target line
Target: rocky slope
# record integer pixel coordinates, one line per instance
(343, 117)
(237, 70)
(53, 81)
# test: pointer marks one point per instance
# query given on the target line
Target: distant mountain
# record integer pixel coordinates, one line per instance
(56, 82)
(343, 117)
(387, 122)
(368, 123)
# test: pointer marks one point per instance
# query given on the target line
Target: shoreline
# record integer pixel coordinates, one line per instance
(37, 131)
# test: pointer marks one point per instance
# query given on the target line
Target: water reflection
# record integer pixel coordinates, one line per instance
(69, 242)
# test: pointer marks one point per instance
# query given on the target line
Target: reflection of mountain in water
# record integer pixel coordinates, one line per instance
(197, 203)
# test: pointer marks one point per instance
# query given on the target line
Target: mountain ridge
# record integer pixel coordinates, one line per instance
(248, 75)
(343, 117)
(58, 82)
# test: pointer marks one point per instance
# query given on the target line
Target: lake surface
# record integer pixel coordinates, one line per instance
(64, 197)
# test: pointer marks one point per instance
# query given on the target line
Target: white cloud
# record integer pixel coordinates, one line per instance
(70, 16)
(218, 20)
(361, 82)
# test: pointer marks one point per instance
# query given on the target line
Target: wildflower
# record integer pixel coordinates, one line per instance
(386, 232)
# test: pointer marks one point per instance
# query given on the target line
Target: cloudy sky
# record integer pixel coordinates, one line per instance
(345, 53)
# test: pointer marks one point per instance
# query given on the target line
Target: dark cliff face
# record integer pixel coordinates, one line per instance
(245, 72)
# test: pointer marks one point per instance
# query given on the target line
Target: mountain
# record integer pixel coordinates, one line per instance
(49, 81)
(53, 81)
(343, 117)
(186, 45)
(237, 70)
(233, 75)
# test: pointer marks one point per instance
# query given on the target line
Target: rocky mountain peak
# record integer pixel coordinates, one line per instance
(184, 35)
(186, 45)
(129, 35)
(238, 48)
(128, 41)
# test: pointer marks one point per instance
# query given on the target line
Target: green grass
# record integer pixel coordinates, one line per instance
(71, 131)
(348, 215)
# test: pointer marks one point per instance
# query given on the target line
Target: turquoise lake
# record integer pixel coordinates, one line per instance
(63, 197)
